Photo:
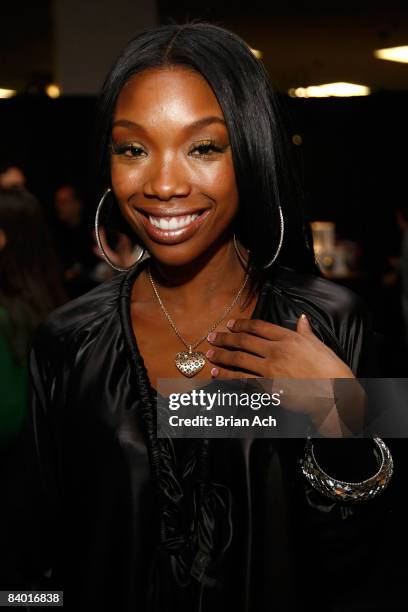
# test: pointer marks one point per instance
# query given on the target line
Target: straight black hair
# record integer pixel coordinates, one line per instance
(264, 165)
(30, 279)
(195, 526)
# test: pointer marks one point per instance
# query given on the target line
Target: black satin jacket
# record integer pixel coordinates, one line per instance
(290, 548)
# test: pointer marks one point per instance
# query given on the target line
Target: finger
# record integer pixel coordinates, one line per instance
(219, 372)
(304, 328)
(237, 360)
(243, 341)
(257, 327)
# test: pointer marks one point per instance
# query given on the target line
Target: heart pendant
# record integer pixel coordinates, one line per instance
(191, 363)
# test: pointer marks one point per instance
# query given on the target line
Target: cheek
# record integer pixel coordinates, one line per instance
(219, 182)
(125, 179)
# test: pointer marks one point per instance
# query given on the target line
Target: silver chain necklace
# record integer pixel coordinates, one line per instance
(191, 362)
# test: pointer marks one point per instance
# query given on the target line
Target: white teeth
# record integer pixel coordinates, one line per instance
(172, 223)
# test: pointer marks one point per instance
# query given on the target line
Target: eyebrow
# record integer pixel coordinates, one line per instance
(200, 123)
(206, 121)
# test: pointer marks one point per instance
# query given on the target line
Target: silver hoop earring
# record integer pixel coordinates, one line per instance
(98, 238)
(282, 230)
(240, 256)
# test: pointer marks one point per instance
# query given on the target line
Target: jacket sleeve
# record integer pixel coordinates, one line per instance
(351, 538)
(356, 343)
(357, 336)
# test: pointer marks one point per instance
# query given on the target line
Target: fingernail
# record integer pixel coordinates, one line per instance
(215, 372)
(209, 353)
(230, 323)
(211, 336)
(304, 317)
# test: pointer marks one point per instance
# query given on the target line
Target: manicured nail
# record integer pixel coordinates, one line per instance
(209, 353)
(215, 372)
(230, 323)
(211, 336)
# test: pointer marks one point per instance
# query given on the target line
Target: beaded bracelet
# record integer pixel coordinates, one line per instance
(346, 492)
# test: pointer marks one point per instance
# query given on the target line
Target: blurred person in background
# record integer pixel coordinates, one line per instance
(397, 274)
(402, 220)
(12, 176)
(30, 288)
(74, 242)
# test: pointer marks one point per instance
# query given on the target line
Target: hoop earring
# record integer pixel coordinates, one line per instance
(240, 256)
(282, 230)
(98, 238)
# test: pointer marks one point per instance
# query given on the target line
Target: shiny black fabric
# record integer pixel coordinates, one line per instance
(289, 548)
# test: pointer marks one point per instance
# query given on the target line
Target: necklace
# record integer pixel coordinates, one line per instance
(191, 362)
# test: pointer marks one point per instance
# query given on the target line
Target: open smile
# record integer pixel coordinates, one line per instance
(172, 229)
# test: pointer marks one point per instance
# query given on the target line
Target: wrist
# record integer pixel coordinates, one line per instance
(345, 491)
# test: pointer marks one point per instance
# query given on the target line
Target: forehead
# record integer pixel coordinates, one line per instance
(170, 93)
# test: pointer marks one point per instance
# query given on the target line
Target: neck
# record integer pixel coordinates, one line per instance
(213, 277)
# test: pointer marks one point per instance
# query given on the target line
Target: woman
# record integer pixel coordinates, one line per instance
(192, 156)
(30, 289)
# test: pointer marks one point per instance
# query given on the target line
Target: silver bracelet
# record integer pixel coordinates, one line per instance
(346, 492)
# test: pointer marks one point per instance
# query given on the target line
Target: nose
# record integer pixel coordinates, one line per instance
(167, 179)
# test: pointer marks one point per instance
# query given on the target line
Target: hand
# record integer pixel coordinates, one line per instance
(254, 348)
(257, 348)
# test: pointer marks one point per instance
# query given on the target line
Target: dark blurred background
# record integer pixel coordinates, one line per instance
(351, 150)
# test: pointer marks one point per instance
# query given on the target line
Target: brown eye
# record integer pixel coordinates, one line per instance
(128, 150)
(206, 148)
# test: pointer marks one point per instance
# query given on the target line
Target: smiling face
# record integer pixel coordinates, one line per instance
(171, 165)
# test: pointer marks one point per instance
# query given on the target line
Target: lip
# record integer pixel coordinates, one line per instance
(172, 236)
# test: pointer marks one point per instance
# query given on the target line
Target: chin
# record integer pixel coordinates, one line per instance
(178, 257)
(174, 260)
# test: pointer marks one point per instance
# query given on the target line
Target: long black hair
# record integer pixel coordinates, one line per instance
(265, 181)
(263, 162)
(30, 279)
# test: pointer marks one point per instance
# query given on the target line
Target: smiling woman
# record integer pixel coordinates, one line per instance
(171, 160)
(193, 166)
